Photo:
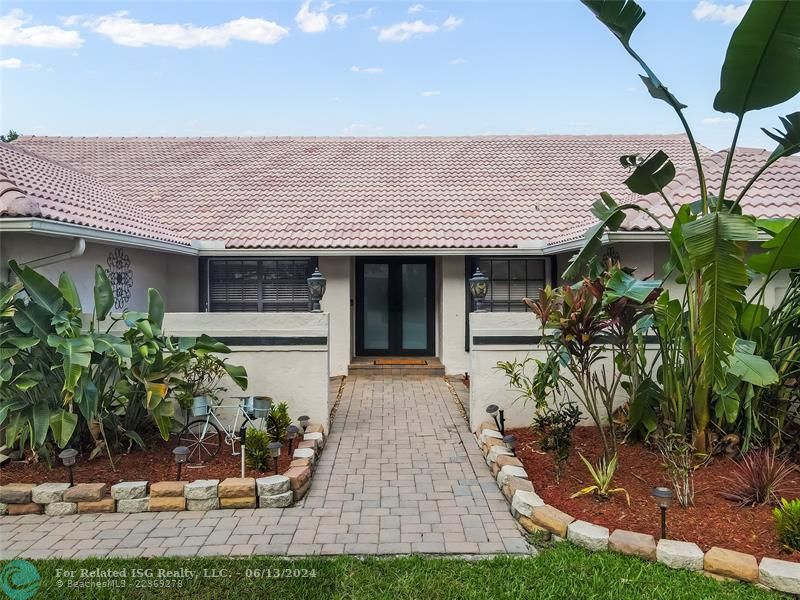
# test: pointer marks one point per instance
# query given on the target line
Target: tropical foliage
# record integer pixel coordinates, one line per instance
(66, 377)
(593, 332)
(787, 523)
(760, 478)
(726, 361)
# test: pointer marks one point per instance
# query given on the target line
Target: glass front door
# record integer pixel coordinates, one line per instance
(395, 305)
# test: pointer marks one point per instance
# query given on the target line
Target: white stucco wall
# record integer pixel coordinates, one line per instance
(336, 302)
(295, 374)
(175, 276)
(452, 322)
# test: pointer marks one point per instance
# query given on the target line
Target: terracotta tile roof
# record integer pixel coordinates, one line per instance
(448, 192)
(775, 194)
(32, 186)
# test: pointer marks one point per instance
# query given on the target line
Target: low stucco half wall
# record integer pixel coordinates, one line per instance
(285, 354)
(499, 337)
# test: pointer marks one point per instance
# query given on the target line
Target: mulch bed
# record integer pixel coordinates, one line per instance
(153, 464)
(712, 521)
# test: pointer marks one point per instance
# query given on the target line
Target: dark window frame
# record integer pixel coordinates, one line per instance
(262, 304)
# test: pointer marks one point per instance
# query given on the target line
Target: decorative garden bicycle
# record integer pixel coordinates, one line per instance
(205, 434)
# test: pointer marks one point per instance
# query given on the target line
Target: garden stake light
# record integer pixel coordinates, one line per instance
(304, 422)
(511, 443)
(663, 497)
(494, 411)
(291, 433)
(68, 457)
(275, 452)
(181, 455)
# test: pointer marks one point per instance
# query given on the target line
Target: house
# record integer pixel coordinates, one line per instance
(396, 225)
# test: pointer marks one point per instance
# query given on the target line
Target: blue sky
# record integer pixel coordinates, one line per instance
(359, 68)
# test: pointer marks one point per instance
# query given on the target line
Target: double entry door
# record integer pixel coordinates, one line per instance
(395, 306)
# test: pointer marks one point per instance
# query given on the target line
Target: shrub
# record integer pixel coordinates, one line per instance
(256, 452)
(787, 522)
(555, 426)
(760, 478)
(280, 419)
(603, 476)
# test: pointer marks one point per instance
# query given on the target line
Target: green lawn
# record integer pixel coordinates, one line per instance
(563, 571)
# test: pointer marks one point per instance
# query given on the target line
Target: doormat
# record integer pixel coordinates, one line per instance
(400, 361)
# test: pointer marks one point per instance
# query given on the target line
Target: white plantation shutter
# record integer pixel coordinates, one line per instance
(258, 285)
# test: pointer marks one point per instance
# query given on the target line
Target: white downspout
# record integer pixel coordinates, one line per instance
(78, 248)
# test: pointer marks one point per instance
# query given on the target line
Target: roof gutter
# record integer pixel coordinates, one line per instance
(78, 248)
(101, 236)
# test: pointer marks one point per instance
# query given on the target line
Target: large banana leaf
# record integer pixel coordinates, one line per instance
(39, 288)
(712, 242)
(762, 65)
(69, 291)
(237, 373)
(781, 252)
(63, 425)
(610, 216)
(623, 285)
(155, 308)
(653, 175)
(103, 293)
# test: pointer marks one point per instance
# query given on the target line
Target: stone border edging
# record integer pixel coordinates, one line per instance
(273, 491)
(534, 515)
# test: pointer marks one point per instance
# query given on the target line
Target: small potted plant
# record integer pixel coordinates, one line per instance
(200, 384)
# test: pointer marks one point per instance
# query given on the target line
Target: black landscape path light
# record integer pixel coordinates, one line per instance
(511, 443)
(291, 434)
(303, 420)
(499, 419)
(663, 498)
(68, 457)
(181, 455)
(275, 452)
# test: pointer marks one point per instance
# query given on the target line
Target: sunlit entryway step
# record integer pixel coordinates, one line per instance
(396, 365)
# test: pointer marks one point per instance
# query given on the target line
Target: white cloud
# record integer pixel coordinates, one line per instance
(312, 22)
(718, 120)
(16, 63)
(415, 8)
(458, 61)
(451, 23)
(340, 20)
(367, 70)
(124, 30)
(429, 93)
(400, 32)
(422, 126)
(362, 129)
(14, 32)
(730, 14)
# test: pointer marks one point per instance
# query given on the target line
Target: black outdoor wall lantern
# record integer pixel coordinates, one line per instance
(316, 288)
(478, 287)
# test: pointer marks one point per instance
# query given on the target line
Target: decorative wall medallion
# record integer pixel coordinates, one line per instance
(121, 277)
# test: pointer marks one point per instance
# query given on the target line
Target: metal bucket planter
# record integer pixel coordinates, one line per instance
(199, 406)
(262, 405)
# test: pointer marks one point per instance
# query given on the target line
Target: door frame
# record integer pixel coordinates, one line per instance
(396, 323)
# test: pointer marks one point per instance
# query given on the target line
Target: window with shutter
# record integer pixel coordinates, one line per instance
(258, 285)
(511, 280)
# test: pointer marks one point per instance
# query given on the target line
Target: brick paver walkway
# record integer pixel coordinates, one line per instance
(400, 474)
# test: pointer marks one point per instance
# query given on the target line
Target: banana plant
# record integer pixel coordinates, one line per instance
(62, 374)
(708, 239)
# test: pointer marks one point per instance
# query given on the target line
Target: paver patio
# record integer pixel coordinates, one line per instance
(400, 474)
